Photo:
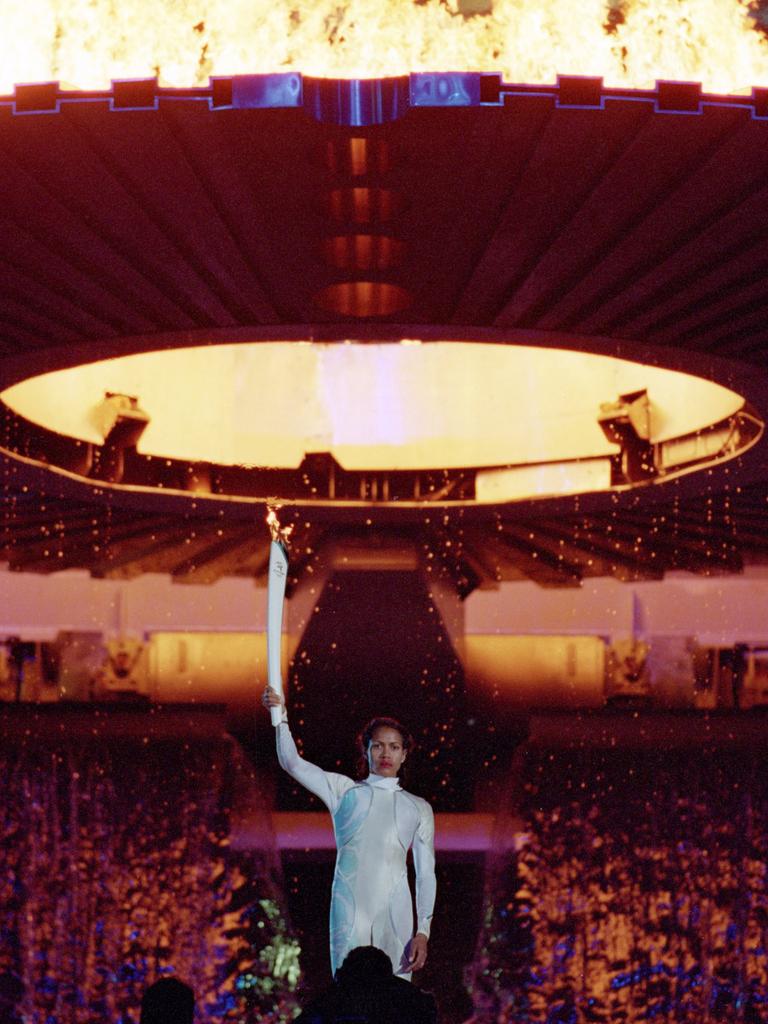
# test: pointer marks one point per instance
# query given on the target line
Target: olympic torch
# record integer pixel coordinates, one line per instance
(276, 581)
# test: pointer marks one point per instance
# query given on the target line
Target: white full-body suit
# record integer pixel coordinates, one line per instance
(375, 823)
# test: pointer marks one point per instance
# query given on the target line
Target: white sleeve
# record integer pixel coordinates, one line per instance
(424, 864)
(330, 787)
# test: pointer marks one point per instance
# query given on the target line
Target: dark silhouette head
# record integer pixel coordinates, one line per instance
(364, 967)
(168, 1001)
(11, 992)
(365, 991)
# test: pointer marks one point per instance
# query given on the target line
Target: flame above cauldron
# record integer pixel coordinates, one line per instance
(86, 43)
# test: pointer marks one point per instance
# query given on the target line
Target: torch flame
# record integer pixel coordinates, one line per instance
(278, 533)
(84, 44)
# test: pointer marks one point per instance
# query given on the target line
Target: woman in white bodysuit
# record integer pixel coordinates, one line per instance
(375, 822)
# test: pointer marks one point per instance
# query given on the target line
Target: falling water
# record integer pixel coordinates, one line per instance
(116, 868)
(640, 893)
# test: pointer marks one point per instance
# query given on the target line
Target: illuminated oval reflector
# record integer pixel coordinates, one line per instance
(533, 420)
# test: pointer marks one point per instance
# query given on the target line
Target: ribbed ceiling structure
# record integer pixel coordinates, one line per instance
(631, 223)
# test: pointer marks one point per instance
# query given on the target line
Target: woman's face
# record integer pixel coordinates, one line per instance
(385, 752)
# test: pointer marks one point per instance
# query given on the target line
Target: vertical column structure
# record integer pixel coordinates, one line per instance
(363, 253)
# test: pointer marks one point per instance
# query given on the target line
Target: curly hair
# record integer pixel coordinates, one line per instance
(366, 735)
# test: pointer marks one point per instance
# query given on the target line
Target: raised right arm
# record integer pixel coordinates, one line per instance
(310, 776)
(330, 787)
